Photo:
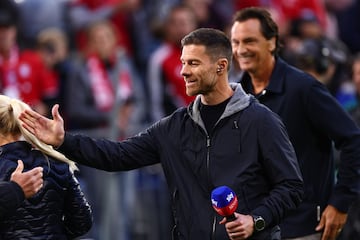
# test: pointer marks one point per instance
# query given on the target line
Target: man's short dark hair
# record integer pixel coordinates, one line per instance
(216, 42)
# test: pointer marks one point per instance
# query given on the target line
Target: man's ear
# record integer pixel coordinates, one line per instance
(272, 44)
(221, 65)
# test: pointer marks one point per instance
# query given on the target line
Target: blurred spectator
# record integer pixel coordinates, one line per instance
(110, 89)
(288, 11)
(239, 4)
(22, 73)
(210, 13)
(332, 8)
(37, 15)
(166, 85)
(314, 57)
(296, 9)
(305, 26)
(349, 26)
(149, 18)
(322, 59)
(337, 5)
(167, 93)
(105, 99)
(52, 45)
(82, 13)
(307, 42)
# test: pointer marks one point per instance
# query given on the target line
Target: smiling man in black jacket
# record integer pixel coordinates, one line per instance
(225, 137)
(314, 121)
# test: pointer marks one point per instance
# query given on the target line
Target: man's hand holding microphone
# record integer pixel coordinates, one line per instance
(238, 226)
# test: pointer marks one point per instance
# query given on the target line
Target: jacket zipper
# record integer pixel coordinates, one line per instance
(208, 145)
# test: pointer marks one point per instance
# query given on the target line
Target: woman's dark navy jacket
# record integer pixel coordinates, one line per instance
(11, 195)
(58, 211)
(248, 151)
(314, 121)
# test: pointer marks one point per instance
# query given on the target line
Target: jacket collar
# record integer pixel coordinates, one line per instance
(14, 146)
(239, 101)
(277, 79)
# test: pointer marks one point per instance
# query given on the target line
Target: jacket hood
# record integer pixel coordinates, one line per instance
(239, 101)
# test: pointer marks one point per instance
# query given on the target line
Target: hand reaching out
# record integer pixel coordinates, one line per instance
(50, 131)
(30, 181)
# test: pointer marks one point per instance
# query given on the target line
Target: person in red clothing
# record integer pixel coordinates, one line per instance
(83, 13)
(291, 10)
(296, 9)
(52, 44)
(104, 98)
(166, 85)
(22, 72)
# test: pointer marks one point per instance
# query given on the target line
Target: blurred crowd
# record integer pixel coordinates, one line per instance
(114, 68)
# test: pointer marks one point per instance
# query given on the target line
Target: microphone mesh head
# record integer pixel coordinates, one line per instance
(224, 200)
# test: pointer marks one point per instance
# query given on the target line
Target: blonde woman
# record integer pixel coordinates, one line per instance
(59, 209)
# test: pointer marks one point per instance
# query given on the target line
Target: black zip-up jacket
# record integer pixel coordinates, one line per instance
(315, 122)
(249, 151)
(59, 211)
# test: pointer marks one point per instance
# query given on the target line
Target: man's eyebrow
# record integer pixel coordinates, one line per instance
(190, 60)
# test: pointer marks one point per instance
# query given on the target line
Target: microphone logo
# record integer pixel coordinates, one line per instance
(224, 201)
(230, 197)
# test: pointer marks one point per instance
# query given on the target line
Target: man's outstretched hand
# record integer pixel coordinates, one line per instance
(50, 131)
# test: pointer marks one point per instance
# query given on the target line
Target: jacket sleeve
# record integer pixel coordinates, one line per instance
(328, 116)
(11, 197)
(282, 170)
(77, 215)
(135, 152)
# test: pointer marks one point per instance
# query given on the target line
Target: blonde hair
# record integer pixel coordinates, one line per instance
(10, 110)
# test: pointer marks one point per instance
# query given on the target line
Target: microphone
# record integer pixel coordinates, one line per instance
(225, 202)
